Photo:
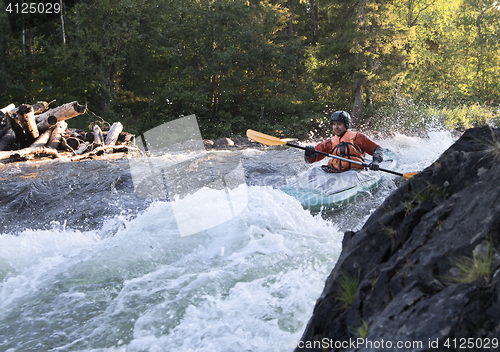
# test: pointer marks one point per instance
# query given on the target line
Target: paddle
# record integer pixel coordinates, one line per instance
(270, 140)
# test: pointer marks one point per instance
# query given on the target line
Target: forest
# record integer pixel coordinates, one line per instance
(277, 66)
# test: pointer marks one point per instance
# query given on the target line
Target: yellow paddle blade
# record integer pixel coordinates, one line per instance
(409, 175)
(264, 138)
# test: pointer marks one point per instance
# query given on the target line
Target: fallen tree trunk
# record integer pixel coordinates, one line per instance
(63, 112)
(105, 149)
(42, 140)
(98, 136)
(56, 135)
(40, 107)
(126, 137)
(123, 137)
(83, 147)
(26, 116)
(46, 124)
(7, 108)
(113, 133)
(16, 155)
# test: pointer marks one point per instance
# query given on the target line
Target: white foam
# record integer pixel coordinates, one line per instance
(414, 153)
(162, 291)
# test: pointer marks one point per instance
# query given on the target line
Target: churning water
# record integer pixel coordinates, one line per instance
(88, 265)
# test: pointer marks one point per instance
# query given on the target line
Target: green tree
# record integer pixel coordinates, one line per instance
(231, 64)
(359, 54)
(479, 26)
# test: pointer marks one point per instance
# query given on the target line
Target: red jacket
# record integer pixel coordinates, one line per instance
(352, 145)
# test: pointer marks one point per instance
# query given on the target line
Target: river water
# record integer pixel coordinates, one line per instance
(206, 255)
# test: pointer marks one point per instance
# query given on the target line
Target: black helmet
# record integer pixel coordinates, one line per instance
(342, 116)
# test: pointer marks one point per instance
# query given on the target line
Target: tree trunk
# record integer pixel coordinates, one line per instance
(40, 107)
(313, 19)
(63, 112)
(27, 118)
(46, 124)
(369, 97)
(57, 133)
(28, 152)
(361, 62)
(98, 137)
(8, 108)
(358, 95)
(113, 133)
(83, 147)
(42, 140)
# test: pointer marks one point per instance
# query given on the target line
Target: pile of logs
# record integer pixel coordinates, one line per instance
(30, 131)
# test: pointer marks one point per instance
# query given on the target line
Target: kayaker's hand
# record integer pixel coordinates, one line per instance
(310, 151)
(374, 166)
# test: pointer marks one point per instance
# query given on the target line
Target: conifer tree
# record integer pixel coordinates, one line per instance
(360, 49)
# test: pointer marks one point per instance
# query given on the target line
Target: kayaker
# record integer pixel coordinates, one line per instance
(347, 144)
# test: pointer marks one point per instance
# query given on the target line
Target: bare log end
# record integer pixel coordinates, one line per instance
(40, 107)
(79, 108)
(73, 142)
(25, 109)
(52, 120)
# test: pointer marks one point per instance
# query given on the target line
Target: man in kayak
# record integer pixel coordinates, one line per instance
(347, 144)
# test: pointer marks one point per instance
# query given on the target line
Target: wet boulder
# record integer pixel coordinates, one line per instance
(424, 271)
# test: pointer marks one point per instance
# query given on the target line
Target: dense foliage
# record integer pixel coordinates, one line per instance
(276, 66)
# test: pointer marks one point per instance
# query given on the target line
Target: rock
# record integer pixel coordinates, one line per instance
(414, 258)
(243, 142)
(209, 144)
(223, 143)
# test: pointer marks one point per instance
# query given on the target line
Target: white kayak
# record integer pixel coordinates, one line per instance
(317, 189)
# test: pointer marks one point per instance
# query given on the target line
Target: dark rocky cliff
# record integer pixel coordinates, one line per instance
(423, 273)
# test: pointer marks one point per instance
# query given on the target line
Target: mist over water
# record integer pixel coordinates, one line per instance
(87, 265)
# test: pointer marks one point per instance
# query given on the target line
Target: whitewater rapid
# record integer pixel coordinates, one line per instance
(135, 283)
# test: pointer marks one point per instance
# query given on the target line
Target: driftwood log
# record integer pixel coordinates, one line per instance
(63, 112)
(56, 135)
(98, 136)
(40, 107)
(46, 123)
(22, 122)
(26, 117)
(106, 149)
(9, 107)
(42, 140)
(113, 133)
(82, 148)
(26, 153)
